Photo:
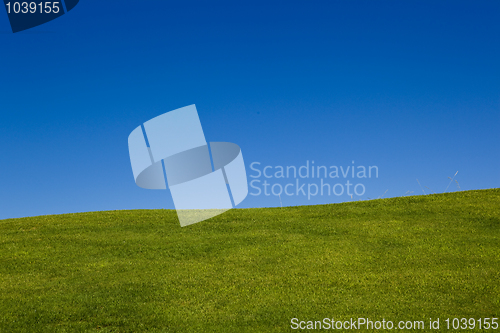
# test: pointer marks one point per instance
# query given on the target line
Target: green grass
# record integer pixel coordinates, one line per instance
(253, 270)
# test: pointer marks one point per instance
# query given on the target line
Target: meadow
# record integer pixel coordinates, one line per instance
(253, 270)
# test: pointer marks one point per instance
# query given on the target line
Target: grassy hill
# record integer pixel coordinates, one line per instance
(253, 270)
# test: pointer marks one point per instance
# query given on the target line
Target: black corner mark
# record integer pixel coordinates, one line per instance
(28, 14)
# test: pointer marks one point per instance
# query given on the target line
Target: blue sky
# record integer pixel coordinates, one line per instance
(412, 87)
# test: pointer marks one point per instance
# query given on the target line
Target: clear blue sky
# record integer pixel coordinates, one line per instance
(412, 87)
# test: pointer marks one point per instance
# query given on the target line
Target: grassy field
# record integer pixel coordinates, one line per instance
(253, 270)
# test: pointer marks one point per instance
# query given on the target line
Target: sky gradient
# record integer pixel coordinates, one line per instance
(412, 87)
